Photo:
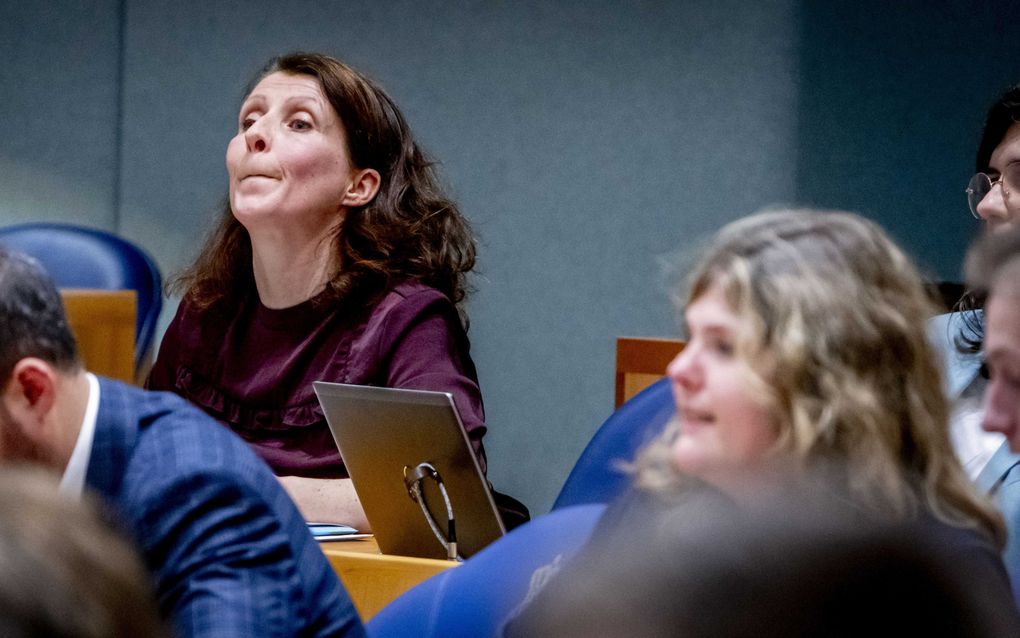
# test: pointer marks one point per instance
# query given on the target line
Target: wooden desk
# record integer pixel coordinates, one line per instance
(373, 579)
(103, 323)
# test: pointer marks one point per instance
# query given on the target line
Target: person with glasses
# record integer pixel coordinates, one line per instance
(993, 196)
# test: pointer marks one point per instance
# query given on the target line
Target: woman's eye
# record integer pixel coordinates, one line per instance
(723, 347)
(300, 125)
(246, 123)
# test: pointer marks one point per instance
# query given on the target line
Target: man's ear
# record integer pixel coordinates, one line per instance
(363, 187)
(30, 391)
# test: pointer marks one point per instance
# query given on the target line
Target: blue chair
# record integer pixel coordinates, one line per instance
(79, 257)
(475, 599)
(597, 476)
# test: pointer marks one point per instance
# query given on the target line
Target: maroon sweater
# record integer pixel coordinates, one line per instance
(253, 370)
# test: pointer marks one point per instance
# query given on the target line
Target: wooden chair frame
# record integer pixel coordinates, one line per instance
(640, 362)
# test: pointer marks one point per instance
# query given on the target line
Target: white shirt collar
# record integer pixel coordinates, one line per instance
(73, 482)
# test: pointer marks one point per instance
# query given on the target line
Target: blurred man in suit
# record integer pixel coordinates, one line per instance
(229, 553)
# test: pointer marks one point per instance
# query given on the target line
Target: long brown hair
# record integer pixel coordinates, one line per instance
(409, 231)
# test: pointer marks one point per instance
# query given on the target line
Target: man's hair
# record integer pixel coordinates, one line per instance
(994, 260)
(32, 319)
(838, 352)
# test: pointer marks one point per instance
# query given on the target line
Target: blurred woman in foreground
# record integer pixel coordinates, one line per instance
(806, 377)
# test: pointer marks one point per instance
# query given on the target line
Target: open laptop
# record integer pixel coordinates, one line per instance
(396, 443)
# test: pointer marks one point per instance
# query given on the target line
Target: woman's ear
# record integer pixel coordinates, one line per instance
(363, 187)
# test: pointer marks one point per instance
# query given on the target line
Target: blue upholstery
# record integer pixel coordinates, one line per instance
(597, 476)
(78, 257)
(475, 599)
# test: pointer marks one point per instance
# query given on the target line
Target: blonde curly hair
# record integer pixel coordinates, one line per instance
(838, 311)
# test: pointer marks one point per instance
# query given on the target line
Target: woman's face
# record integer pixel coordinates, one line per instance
(288, 163)
(1000, 210)
(725, 431)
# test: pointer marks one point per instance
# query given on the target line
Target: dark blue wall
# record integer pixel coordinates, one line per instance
(892, 101)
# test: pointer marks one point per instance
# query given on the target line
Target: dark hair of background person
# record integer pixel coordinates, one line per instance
(409, 231)
(32, 319)
(1003, 114)
(795, 568)
(65, 572)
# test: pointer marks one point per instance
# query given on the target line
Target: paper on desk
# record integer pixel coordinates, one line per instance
(334, 532)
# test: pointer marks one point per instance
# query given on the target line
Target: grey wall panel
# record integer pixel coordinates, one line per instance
(59, 111)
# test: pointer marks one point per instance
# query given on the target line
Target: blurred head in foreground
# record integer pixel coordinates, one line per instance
(64, 571)
(796, 570)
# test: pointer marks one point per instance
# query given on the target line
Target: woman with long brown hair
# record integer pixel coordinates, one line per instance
(337, 257)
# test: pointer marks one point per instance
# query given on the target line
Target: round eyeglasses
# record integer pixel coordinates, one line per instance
(982, 184)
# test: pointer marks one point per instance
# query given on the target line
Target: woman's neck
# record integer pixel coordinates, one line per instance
(757, 483)
(290, 270)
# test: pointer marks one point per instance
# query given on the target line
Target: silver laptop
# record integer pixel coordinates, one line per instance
(412, 465)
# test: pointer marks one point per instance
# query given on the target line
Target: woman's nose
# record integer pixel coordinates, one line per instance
(256, 138)
(684, 370)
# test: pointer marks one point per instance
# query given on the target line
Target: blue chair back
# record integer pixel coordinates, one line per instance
(475, 599)
(597, 476)
(79, 257)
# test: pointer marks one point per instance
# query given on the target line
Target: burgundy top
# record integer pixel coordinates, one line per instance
(253, 370)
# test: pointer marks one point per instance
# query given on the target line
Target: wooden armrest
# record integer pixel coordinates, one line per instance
(640, 362)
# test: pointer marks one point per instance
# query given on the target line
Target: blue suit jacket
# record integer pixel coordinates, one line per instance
(1000, 478)
(229, 552)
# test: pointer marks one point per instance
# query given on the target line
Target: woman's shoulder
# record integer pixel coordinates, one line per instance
(413, 291)
(408, 300)
(964, 540)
